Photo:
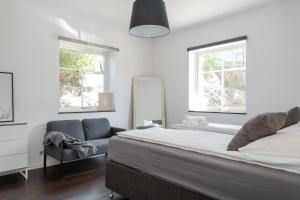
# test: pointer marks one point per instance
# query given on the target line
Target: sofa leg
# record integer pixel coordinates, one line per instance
(111, 195)
(61, 169)
(45, 163)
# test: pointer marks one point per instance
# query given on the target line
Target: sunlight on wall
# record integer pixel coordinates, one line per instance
(86, 36)
(67, 27)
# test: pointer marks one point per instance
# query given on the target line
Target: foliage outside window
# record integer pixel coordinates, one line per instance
(218, 78)
(82, 77)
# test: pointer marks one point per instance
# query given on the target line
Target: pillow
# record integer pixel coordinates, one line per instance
(258, 127)
(293, 116)
(284, 143)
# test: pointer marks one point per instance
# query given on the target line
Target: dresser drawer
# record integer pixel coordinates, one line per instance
(11, 147)
(13, 132)
(13, 162)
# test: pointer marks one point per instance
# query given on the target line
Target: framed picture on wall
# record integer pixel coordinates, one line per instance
(6, 97)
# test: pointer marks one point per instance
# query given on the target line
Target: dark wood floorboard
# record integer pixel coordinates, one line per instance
(83, 180)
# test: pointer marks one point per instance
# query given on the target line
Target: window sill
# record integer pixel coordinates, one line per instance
(78, 112)
(211, 112)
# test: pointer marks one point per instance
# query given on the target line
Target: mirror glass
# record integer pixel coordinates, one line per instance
(148, 102)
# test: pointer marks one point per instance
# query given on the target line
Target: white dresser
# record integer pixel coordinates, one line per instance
(13, 148)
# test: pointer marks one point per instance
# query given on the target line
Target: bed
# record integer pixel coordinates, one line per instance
(144, 167)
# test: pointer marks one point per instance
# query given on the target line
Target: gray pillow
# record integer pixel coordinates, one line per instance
(293, 116)
(258, 127)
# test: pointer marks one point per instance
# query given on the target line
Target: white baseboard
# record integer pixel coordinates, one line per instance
(51, 162)
(41, 165)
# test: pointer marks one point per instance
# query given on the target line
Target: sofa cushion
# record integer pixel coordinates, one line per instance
(101, 144)
(96, 128)
(70, 127)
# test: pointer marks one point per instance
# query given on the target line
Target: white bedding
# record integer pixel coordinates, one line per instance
(212, 127)
(285, 143)
(210, 143)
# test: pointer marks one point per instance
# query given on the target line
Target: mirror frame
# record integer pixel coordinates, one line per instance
(12, 119)
(149, 78)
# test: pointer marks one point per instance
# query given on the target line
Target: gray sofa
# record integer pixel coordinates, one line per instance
(95, 131)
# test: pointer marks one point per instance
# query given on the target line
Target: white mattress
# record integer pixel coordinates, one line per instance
(210, 143)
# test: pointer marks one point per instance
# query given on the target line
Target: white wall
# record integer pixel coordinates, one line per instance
(29, 49)
(273, 64)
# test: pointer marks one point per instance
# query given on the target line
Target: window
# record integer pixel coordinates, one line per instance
(82, 76)
(217, 78)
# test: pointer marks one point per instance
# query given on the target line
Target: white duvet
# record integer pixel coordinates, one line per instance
(212, 143)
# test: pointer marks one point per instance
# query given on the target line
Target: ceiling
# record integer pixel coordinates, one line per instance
(182, 13)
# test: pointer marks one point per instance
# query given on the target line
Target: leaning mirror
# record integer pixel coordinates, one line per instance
(148, 102)
(6, 97)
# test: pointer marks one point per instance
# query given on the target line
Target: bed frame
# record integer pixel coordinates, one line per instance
(137, 185)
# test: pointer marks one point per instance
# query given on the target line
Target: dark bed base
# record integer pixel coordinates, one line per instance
(136, 185)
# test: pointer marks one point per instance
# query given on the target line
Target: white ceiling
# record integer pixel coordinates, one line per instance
(182, 13)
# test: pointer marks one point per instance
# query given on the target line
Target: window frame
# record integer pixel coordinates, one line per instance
(216, 47)
(106, 76)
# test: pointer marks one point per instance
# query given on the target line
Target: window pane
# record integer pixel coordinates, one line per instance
(81, 79)
(235, 90)
(218, 78)
(212, 91)
(70, 88)
(92, 85)
(79, 60)
(211, 62)
(234, 58)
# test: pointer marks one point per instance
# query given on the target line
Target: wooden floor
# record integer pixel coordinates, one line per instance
(83, 180)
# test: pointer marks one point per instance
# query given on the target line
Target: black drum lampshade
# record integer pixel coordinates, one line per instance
(149, 19)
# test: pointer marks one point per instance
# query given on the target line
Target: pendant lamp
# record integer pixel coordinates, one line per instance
(149, 19)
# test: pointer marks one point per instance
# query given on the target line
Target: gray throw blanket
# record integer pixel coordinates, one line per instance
(83, 148)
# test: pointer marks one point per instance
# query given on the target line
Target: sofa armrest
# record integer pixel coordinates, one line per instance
(54, 151)
(115, 130)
